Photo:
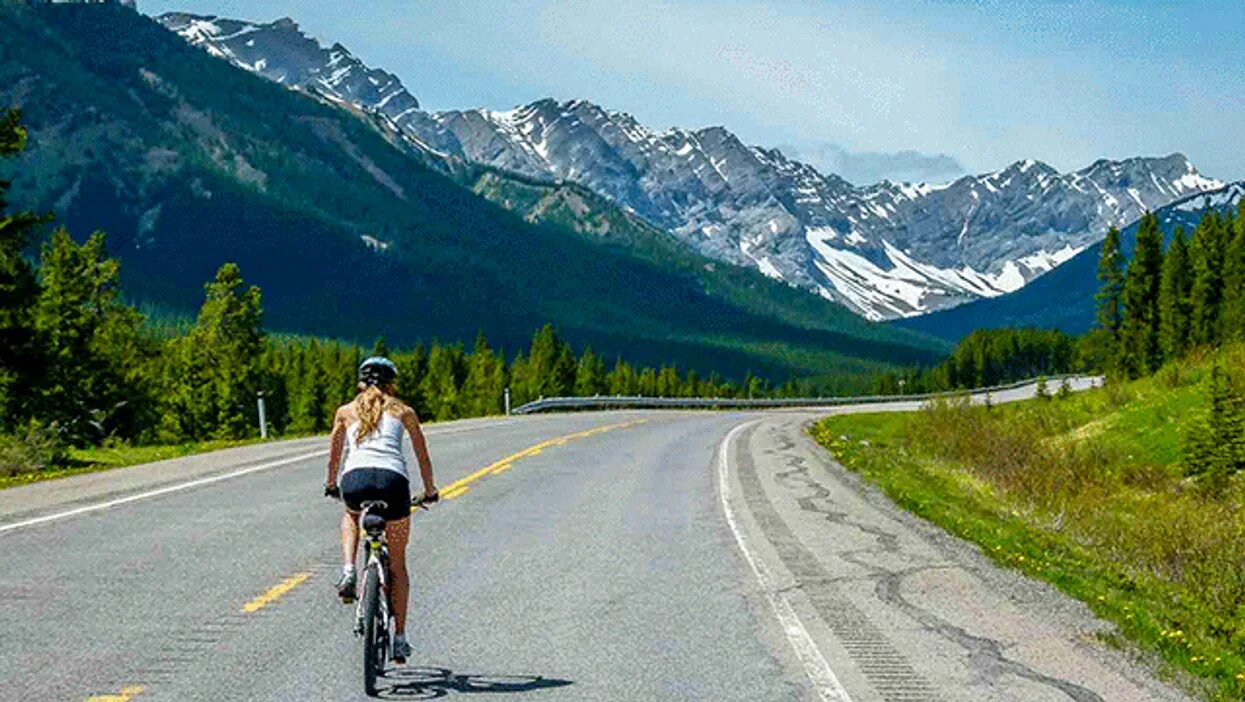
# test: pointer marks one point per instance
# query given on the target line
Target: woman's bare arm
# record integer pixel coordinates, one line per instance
(411, 421)
(337, 443)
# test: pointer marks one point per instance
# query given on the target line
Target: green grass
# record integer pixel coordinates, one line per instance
(1087, 493)
(91, 460)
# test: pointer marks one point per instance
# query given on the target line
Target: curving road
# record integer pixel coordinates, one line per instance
(606, 556)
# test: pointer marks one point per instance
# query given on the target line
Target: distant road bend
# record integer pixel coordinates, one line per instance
(643, 555)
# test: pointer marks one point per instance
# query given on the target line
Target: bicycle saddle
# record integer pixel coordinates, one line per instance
(373, 523)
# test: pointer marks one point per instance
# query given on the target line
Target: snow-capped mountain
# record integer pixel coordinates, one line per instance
(281, 52)
(885, 250)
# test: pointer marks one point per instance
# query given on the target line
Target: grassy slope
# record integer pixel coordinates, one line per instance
(1097, 506)
(187, 162)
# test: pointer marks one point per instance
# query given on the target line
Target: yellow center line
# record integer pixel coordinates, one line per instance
(458, 487)
(127, 693)
(275, 592)
(451, 494)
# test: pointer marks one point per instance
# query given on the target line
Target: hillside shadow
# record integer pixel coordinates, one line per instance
(425, 683)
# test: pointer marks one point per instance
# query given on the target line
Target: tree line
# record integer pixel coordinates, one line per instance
(1161, 304)
(991, 357)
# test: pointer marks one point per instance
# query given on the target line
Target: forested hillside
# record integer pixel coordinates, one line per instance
(188, 162)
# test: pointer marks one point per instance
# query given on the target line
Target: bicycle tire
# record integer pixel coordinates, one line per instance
(373, 631)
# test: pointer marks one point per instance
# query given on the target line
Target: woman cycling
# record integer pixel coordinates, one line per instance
(368, 431)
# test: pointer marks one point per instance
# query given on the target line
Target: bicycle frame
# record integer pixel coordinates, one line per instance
(377, 553)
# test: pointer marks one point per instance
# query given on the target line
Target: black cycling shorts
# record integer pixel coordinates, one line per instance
(365, 484)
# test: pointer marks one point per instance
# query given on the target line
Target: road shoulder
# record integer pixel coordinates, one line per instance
(902, 610)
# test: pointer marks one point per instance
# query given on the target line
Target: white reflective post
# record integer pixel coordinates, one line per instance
(506, 396)
(263, 417)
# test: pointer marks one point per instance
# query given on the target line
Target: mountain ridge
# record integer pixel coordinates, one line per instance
(884, 250)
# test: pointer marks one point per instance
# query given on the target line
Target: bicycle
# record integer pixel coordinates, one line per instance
(373, 618)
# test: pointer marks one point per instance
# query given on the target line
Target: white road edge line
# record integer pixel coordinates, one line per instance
(431, 431)
(818, 670)
(160, 491)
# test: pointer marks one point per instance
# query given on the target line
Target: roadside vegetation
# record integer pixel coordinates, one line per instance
(1092, 492)
(1130, 498)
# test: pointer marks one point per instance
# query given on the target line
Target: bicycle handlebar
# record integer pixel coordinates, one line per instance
(422, 501)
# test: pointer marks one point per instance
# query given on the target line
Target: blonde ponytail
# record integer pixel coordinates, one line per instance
(369, 406)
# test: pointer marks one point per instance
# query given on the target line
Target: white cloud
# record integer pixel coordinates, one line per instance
(864, 167)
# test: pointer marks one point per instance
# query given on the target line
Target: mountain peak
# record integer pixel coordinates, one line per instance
(282, 52)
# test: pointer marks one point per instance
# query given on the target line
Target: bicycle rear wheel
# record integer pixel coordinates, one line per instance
(375, 631)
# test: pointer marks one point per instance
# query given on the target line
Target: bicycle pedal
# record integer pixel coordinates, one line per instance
(348, 600)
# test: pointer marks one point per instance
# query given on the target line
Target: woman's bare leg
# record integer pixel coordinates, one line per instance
(350, 537)
(397, 534)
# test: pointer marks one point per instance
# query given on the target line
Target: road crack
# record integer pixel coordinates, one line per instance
(985, 655)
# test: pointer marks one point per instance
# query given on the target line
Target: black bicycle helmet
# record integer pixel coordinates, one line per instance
(377, 371)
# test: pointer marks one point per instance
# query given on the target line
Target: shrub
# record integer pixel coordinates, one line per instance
(1216, 440)
(38, 447)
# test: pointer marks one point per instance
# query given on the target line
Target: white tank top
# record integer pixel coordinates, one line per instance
(380, 449)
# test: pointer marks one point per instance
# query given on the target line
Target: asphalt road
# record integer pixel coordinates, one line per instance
(602, 556)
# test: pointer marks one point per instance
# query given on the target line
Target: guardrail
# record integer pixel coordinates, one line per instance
(599, 402)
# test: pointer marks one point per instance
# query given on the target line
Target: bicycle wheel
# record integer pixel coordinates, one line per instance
(375, 635)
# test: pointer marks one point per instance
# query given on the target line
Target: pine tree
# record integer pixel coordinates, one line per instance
(667, 382)
(648, 382)
(520, 382)
(591, 378)
(1174, 291)
(1139, 351)
(623, 379)
(311, 391)
(757, 387)
(381, 347)
(485, 382)
(550, 369)
(92, 385)
(213, 372)
(1206, 254)
(276, 391)
(690, 386)
(412, 366)
(1110, 314)
(19, 291)
(341, 364)
(440, 386)
(1233, 318)
(1216, 442)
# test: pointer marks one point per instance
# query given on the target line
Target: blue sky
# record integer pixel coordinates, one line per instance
(873, 89)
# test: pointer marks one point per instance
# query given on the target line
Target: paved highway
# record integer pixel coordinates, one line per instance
(602, 556)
